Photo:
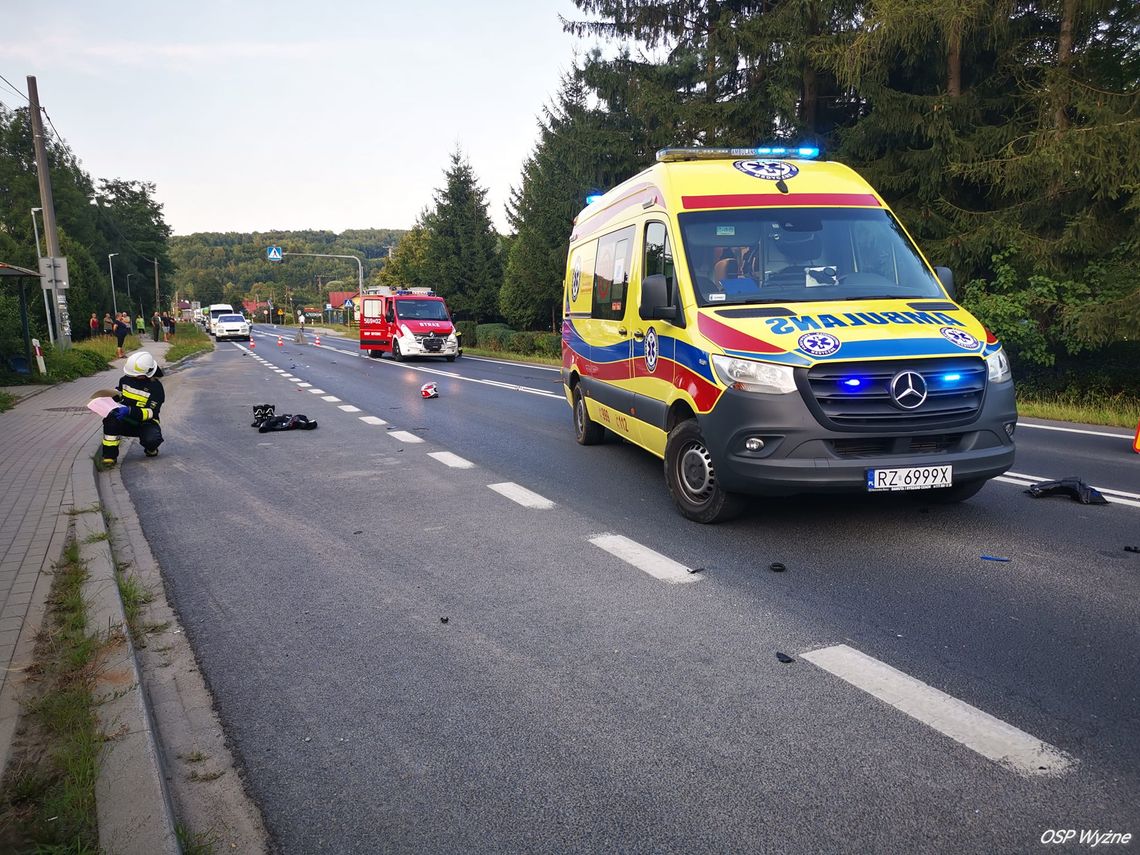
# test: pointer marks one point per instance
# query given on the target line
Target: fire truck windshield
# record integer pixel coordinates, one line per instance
(422, 310)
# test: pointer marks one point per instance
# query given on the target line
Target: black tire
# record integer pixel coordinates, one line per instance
(396, 355)
(375, 354)
(586, 430)
(450, 358)
(957, 493)
(692, 480)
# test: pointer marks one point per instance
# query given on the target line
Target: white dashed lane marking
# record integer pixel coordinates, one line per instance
(645, 559)
(522, 495)
(979, 731)
(317, 391)
(304, 385)
(348, 408)
(452, 460)
(404, 436)
(332, 399)
(372, 420)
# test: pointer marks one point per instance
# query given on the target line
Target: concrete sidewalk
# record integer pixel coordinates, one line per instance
(45, 475)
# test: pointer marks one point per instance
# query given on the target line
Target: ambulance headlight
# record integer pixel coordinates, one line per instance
(747, 375)
(997, 365)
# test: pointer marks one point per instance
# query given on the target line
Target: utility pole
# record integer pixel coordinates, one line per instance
(51, 236)
(156, 298)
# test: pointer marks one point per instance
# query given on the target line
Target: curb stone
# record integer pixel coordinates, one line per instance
(132, 804)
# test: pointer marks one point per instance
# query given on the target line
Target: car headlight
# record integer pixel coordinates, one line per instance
(997, 366)
(748, 375)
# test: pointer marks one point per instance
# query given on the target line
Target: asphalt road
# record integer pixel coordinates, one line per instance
(573, 702)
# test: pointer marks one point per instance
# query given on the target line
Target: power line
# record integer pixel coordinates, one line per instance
(13, 88)
(58, 135)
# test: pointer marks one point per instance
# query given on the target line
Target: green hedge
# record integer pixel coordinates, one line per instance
(470, 331)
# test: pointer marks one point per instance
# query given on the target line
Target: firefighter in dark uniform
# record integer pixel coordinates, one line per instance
(140, 396)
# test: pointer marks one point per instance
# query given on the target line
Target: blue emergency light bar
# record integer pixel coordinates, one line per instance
(793, 152)
(593, 197)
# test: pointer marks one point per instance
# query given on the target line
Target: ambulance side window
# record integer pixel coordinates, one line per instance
(659, 257)
(611, 274)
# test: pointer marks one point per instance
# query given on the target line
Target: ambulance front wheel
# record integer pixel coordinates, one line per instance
(692, 479)
(586, 430)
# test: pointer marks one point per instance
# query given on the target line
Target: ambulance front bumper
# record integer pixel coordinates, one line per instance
(800, 455)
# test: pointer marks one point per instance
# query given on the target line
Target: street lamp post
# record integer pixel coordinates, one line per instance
(47, 303)
(157, 300)
(111, 267)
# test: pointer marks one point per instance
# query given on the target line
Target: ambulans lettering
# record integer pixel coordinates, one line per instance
(807, 323)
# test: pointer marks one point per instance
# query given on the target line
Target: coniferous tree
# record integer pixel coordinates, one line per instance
(462, 258)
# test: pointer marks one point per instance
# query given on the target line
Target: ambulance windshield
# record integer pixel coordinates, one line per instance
(785, 255)
(421, 310)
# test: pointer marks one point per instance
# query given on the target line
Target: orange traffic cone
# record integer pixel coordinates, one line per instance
(252, 344)
(1136, 442)
(318, 340)
(280, 341)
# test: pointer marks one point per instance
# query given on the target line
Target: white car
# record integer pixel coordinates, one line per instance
(231, 326)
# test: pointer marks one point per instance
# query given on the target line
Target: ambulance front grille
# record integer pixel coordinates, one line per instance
(857, 395)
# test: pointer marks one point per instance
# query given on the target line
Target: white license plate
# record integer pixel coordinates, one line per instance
(911, 478)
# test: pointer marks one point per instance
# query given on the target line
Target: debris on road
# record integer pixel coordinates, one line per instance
(286, 422)
(784, 657)
(1132, 549)
(262, 413)
(994, 558)
(1074, 488)
(777, 567)
(429, 390)
(443, 620)
(697, 570)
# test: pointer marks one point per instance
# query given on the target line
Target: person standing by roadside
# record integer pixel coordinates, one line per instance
(168, 322)
(140, 325)
(122, 329)
(108, 324)
(94, 324)
(156, 325)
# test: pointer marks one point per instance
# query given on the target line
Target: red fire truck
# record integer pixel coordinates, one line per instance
(411, 322)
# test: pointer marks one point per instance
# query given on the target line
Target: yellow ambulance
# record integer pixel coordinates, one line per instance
(761, 321)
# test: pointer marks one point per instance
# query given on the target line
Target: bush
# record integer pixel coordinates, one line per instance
(470, 331)
(73, 363)
(495, 337)
(549, 344)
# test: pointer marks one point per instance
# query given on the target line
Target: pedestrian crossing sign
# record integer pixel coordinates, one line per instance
(273, 253)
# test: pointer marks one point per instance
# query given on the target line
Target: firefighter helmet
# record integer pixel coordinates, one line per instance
(140, 364)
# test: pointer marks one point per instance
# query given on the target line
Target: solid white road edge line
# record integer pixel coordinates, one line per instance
(1022, 424)
(645, 559)
(372, 420)
(521, 495)
(1115, 497)
(453, 376)
(1038, 478)
(452, 460)
(405, 436)
(979, 731)
(348, 408)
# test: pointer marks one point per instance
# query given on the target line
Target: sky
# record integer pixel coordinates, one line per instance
(257, 116)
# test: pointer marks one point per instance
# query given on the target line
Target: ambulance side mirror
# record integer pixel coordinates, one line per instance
(946, 277)
(655, 299)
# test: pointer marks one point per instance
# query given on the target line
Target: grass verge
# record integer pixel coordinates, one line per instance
(47, 799)
(134, 597)
(1114, 411)
(7, 401)
(188, 340)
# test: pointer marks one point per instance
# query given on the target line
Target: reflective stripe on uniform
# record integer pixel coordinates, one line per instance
(110, 440)
(147, 414)
(135, 395)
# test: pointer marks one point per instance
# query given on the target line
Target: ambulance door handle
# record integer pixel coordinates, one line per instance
(638, 334)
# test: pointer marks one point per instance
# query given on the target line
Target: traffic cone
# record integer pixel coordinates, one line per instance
(1136, 442)
(280, 341)
(318, 340)
(252, 343)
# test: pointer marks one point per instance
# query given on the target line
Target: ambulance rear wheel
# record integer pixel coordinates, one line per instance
(586, 430)
(396, 355)
(692, 479)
